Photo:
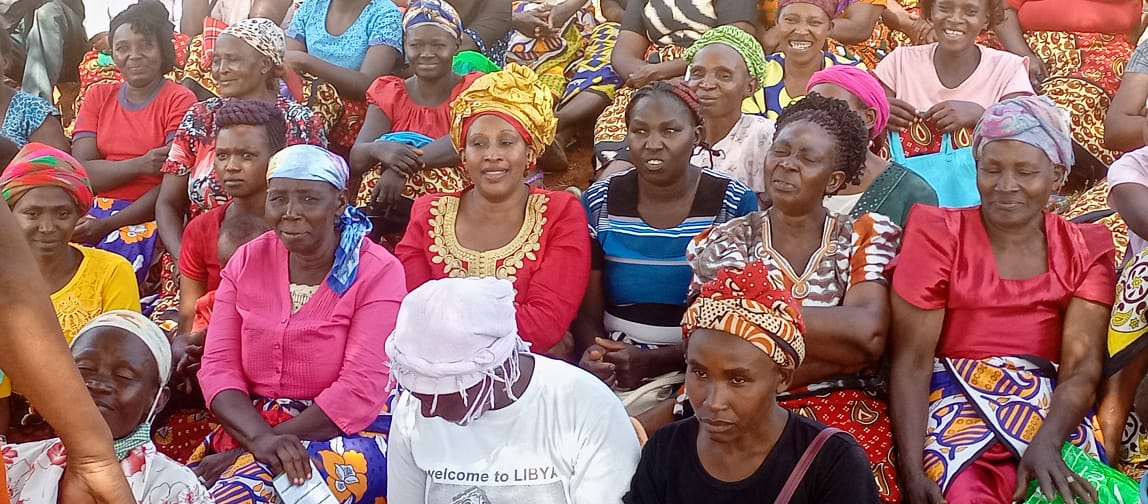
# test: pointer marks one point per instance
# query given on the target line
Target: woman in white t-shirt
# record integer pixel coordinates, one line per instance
(481, 419)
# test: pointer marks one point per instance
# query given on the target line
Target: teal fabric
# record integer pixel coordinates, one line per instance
(952, 173)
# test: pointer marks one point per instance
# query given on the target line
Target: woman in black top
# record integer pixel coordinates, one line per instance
(744, 343)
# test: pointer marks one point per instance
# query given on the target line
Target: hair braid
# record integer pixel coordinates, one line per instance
(237, 112)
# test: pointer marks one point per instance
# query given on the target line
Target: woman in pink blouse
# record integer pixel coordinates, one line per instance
(294, 367)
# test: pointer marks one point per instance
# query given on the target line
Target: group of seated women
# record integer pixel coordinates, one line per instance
(790, 278)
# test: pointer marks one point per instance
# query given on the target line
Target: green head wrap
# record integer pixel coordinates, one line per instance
(737, 39)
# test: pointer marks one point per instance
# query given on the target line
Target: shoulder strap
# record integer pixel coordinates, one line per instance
(803, 464)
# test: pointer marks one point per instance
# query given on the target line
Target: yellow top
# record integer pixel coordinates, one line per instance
(103, 282)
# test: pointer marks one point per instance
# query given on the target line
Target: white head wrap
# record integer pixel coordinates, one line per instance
(455, 333)
(141, 327)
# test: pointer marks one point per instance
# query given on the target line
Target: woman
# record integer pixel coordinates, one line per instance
(592, 83)
(802, 29)
(48, 192)
(294, 352)
(550, 36)
(1000, 317)
(419, 104)
(29, 327)
(125, 361)
(476, 402)
(368, 45)
(744, 342)
(832, 264)
(627, 332)
(885, 187)
(1076, 60)
(122, 134)
(653, 35)
(27, 118)
(726, 66)
(949, 84)
(205, 20)
(249, 134)
(499, 226)
(247, 58)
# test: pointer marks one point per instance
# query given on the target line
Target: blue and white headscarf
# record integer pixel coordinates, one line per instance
(309, 162)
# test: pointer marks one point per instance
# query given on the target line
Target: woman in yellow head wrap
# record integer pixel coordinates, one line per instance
(499, 226)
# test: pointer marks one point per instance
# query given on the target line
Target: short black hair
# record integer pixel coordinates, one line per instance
(996, 11)
(150, 19)
(261, 113)
(837, 119)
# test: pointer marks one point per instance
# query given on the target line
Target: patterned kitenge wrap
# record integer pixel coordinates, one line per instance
(309, 162)
(752, 305)
(1034, 120)
(39, 165)
(977, 403)
(263, 35)
(737, 39)
(435, 13)
(513, 93)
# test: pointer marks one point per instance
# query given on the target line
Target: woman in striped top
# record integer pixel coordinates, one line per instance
(628, 331)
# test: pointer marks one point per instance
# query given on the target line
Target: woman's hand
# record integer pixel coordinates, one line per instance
(154, 159)
(213, 465)
(901, 114)
(389, 188)
(394, 155)
(90, 230)
(187, 352)
(94, 481)
(283, 453)
(921, 31)
(298, 61)
(593, 361)
(631, 364)
(1037, 71)
(918, 488)
(952, 115)
(535, 23)
(1042, 462)
(645, 75)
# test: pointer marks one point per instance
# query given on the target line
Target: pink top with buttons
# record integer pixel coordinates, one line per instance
(330, 351)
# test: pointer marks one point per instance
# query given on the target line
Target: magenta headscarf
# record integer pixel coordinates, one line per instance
(861, 84)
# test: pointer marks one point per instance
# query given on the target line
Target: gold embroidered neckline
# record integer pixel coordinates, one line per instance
(460, 261)
(800, 287)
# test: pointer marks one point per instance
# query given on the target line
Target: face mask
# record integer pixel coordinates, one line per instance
(141, 435)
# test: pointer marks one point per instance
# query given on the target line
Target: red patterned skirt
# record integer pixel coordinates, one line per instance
(866, 418)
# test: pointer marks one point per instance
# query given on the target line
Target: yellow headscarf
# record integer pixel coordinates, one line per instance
(513, 93)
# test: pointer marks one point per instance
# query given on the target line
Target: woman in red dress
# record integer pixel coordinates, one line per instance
(499, 226)
(1006, 307)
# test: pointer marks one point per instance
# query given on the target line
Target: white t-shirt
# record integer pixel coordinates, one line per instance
(567, 440)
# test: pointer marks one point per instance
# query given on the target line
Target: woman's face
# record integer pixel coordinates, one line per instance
(1015, 180)
(720, 78)
(867, 114)
(121, 374)
(241, 156)
(662, 136)
(47, 216)
(238, 68)
(800, 168)
(430, 51)
(802, 30)
(732, 385)
(303, 212)
(958, 23)
(137, 56)
(496, 157)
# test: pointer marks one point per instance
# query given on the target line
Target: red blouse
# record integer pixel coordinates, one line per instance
(389, 93)
(947, 262)
(1114, 17)
(548, 261)
(199, 257)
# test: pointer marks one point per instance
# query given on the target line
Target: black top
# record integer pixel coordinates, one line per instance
(670, 471)
(681, 22)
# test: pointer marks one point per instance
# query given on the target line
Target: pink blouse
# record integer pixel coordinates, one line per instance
(330, 351)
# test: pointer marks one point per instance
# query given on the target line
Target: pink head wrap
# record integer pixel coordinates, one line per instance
(861, 84)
